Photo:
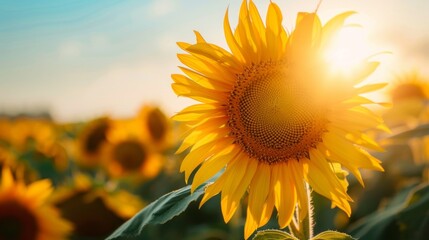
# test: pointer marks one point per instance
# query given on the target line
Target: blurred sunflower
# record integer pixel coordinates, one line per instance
(91, 141)
(38, 138)
(24, 212)
(94, 209)
(409, 94)
(128, 154)
(156, 127)
(28, 132)
(273, 117)
(5, 127)
(7, 158)
(19, 169)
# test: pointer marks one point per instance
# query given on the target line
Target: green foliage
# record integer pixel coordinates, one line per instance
(158, 212)
(332, 235)
(405, 217)
(273, 234)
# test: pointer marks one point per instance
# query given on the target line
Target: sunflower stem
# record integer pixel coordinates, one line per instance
(306, 225)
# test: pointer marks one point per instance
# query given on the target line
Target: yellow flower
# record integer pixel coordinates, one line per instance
(156, 127)
(91, 141)
(409, 86)
(24, 212)
(27, 131)
(18, 168)
(5, 127)
(273, 117)
(128, 154)
(40, 136)
(409, 94)
(95, 210)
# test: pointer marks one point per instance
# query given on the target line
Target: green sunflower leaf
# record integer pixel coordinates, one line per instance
(158, 212)
(332, 235)
(273, 234)
(404, 217)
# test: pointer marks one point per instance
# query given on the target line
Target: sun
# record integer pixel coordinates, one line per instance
(347, 49)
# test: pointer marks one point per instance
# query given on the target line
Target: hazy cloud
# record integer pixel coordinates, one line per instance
(70, 49)
(159, 8)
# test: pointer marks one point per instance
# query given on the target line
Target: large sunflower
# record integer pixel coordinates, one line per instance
(24, 213)
(273, 117)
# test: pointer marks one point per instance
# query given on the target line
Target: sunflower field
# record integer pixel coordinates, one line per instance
(277, 141)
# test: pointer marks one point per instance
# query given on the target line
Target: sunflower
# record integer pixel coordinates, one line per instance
(409, 94)
(155, 126)
(128, 154)
(38, 137)
(95, 209)
(24, 212)
(5, 127)
(91, 141)
(273, 117)
(27, 133)
(19, 169)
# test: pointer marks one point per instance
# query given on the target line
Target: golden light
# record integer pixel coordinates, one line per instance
(347, 49)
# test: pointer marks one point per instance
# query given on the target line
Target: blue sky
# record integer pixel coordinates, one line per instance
(81, 59)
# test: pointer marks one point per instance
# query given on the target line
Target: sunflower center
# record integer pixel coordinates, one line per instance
(130, 154)
(86, 213)
(96, 138)
(17, 222)
(407, 91)
(157, 123)
(272, 114)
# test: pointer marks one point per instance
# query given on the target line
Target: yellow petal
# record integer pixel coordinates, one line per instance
(259, 190)
(298, 173)
(274, 26)
(231, 41)
(214, 52)
(213, 189)
(213, 165)
(7, 178)
(39, 190)
(199, 38)
(196, 157)
(333, 25)
(239, 174)
(251, 223)
(285, 193)
(370, 87)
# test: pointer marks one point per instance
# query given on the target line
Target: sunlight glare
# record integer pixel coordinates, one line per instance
(347, 49)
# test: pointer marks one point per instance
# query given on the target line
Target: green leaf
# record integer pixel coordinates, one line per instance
(158, 212)
(405, 217)
(332, 235)
(273, 234)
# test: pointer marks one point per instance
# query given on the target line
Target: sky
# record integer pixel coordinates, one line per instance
(81, 59)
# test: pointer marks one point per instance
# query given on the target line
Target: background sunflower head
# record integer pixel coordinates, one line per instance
(129, 154)
(25, 212)
(90, 142)
(156, 127)
(409, 94)
(94, 209)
